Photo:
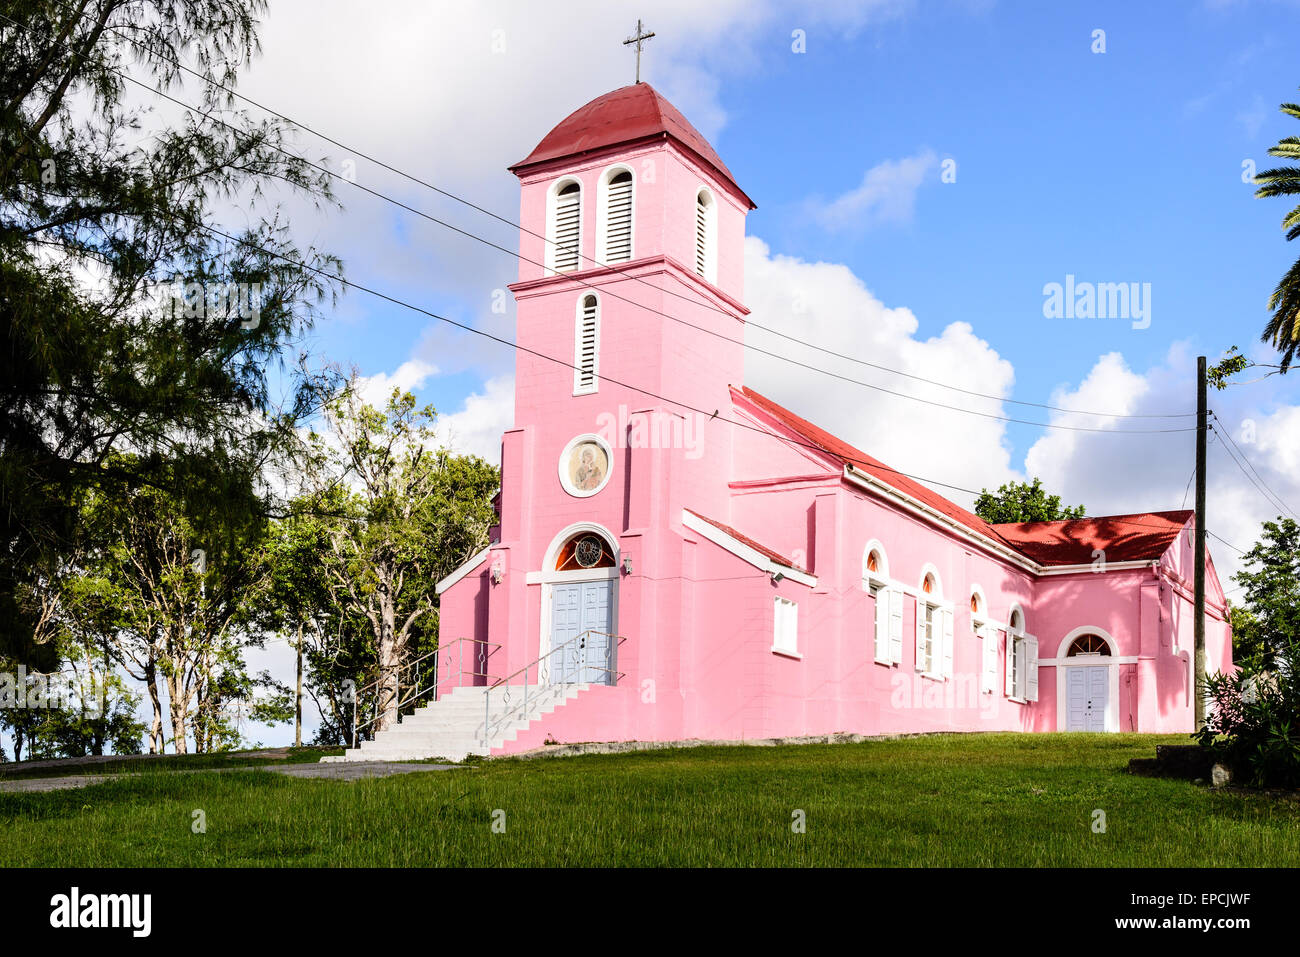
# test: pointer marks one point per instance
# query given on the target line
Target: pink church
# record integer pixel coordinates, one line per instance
(679, 557)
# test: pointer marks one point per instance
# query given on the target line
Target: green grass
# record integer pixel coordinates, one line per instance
(140, 764)
(944, 800)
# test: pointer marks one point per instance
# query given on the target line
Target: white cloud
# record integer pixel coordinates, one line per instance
(409, 376)
(1126, 473)
(886, 195)
(476, 429)
(827, 304)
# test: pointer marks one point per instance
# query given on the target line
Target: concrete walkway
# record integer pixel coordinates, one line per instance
(350, 771)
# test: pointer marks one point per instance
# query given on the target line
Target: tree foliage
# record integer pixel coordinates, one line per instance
(101, 203)
(1268, 619)
(1283, 328)
(1023, 502)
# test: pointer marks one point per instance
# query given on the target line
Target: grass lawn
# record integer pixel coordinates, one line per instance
(945, 800)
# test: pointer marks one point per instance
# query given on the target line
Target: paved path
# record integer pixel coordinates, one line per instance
(350, 771)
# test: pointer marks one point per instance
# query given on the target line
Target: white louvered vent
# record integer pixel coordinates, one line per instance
(587, 346)
(618, 235)
(568, 205)
(702, 235)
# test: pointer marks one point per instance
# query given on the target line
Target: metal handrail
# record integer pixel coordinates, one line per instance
(483, 649)
(536, 664)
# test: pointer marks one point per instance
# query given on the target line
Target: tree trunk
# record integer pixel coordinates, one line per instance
(297, 714)
(155, 729)
(387, 665)
(176, 711)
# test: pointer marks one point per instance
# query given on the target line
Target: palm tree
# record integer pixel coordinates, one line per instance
(1283, 329)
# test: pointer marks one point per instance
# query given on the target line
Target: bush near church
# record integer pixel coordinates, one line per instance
(1254, 724)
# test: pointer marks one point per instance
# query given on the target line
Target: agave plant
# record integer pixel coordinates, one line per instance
(1283, 329)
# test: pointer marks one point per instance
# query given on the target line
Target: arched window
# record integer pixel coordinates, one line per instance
(887, 622)
(1088, 645)
(586, 346)
(582, 551)
(933, 628)
(565, 226)
(616, 213)
(1021, 671)
(706, 226)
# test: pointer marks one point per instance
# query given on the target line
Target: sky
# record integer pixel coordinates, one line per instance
(924, 171)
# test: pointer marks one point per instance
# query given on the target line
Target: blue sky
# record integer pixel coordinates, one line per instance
(1122, 166)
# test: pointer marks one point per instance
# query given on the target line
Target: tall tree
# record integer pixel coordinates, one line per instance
(1270, 579)
(412, 512)
(1023, 502)
(1283, 328)
(101, 202)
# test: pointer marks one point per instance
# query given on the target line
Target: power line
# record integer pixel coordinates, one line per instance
(419, 309)
(1277, 499)
(1225, 542)
(614, 295)
(1273, 500)
(623, 272)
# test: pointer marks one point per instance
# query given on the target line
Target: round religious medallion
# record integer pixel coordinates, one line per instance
(585, 465)
(587, 551)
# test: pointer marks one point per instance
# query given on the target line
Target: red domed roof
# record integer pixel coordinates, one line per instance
(624, 116)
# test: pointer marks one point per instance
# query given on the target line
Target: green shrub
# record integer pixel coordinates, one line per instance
(1254, 721)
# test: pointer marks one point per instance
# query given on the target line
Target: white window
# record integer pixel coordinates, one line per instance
(887, 621)
(1021, 660)
(785, 629)
(706, 227)
(586, 347)
(565, 226)
(615, 210)
(933, 630)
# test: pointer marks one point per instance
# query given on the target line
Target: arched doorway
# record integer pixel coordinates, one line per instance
(580, 607)
(1088, 682)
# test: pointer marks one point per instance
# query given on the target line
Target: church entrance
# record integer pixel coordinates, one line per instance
(1087, 683)
(581, 630)
(580, 613)
(1086, 707)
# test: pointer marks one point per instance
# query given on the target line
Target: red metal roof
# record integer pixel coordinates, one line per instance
(1144, 536)
(746, 540)
(625, 116)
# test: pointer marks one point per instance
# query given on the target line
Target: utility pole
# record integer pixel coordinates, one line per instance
(1198, 581)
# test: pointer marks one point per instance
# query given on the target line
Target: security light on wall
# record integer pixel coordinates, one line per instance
(777, 577)
(498, 572)
(627, 564)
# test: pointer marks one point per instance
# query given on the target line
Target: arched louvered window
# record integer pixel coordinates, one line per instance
(618, 218)
(586, 358)
(566, 225)
(706, 219)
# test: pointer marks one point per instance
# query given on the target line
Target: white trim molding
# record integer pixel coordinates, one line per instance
(742, 551)
(462, 571)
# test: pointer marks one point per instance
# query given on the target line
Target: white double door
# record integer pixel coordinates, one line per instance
(1087, 692)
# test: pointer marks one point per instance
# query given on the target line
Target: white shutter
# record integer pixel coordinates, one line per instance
(946, 665)
(882, 625)
(896, 626)
(919, 663)
(1010, 666)
(1031, 669)
(568, 207)
(701, 237)
(587, 346)
(618, 219)
(989, 650)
